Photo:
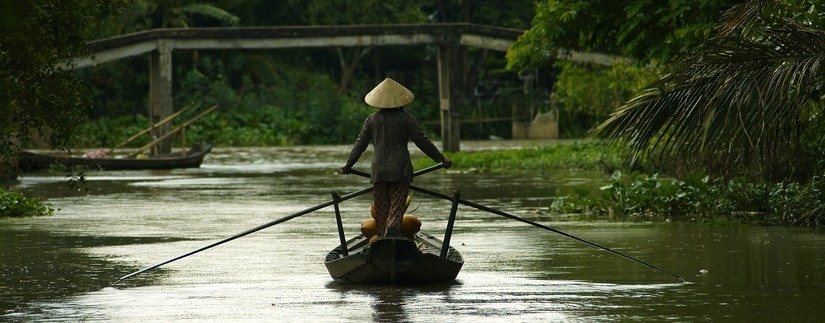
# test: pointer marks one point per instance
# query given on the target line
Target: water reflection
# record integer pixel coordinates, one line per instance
(44, 265)
(61, 268)
(387, 304)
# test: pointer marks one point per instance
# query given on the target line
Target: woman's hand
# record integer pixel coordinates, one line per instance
(447, 162)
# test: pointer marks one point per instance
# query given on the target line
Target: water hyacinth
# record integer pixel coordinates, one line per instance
(13, 204)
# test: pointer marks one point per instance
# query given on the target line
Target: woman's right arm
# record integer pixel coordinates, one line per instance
(360, 145)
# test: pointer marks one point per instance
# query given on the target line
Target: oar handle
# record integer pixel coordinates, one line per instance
(359, 173)
(429, 169)
(417, 173)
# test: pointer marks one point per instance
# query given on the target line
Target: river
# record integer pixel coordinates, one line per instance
(63, 268)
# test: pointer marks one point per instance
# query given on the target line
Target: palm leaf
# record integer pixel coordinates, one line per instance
(741, 93)
(211, 11)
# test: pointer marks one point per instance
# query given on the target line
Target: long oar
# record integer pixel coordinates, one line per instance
(507, 215)
(258, 228)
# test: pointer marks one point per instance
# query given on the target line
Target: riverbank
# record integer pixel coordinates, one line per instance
(626, 195)
(619, 194)
(516, 156)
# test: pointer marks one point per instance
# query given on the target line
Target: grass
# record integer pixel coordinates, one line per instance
(573, 156)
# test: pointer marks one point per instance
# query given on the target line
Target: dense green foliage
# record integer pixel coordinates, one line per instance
(647, 33)
(740, 86)
(13, 204)
(743, 105)
(700, 198)
(646, 30)
(587, 93)
(294, 107)
(37, 97)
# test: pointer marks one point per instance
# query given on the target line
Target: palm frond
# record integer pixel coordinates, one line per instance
(212, 11)
(740, 92)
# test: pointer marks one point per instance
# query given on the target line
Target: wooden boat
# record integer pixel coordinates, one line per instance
(394, 260)
(190, 159)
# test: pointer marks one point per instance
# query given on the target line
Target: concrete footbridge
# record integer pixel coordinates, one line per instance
(159, 44)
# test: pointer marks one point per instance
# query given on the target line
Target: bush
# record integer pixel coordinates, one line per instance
(13, 204)
(589, 93)
(109, 131)
(294, 107)
(699, 198)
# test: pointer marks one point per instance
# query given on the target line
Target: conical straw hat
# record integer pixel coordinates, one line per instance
(389, 94)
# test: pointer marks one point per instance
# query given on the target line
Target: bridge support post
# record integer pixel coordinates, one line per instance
(450, 118)
(160, 94)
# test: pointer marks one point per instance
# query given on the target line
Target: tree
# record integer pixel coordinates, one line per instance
(509, 14)
(747, 102)
(588, 93)
(644, 30)
(38, 96)
(181, 13)
(120, 87)
(363, 12)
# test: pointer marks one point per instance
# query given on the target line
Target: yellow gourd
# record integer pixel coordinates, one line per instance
(369, 228)
(410, 225)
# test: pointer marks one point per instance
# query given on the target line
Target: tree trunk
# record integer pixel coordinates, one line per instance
(8, 170)
(349, 60)
(9, 158)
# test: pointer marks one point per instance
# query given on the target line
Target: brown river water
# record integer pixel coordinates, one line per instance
(64, 267)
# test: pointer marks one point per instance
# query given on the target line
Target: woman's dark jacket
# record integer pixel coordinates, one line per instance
(389, 130)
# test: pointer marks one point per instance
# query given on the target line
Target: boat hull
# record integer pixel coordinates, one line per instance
(31, 161)
(394, 260)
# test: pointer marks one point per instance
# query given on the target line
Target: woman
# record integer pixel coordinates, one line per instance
(389, 129)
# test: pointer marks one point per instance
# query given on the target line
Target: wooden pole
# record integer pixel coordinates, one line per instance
(144, 131)
(450, 222)
(160, 92)
(450, 121)
(176, 130)
(335, 199)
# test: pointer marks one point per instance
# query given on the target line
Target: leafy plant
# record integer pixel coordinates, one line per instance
(702, 199)
(644, 30)
(37, 96)
(588, 93)
(14, 204)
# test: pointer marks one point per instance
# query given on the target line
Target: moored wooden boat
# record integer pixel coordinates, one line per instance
(394, 260)
(190, 159)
